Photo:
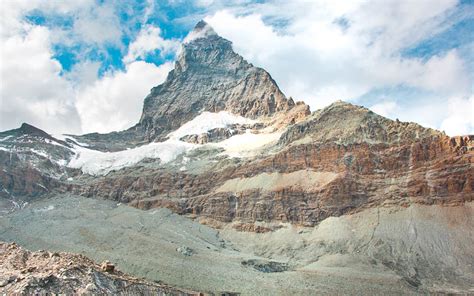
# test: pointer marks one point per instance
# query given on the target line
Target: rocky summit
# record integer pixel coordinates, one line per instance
(225, 186)
(209, 76)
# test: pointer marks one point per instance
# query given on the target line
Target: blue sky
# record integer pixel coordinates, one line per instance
(65, 65)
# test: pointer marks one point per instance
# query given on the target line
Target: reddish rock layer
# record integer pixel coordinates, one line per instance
(434, 170)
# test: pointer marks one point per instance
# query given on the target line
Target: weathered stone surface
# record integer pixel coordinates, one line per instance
(266, 266)
(345, 123)
(42, 273)
(107, 266)
(342, 163)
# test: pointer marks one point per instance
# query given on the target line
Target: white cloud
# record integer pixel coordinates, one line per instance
(115, 101)
(321, 56)
(147, 41)
(313, 58)
(460, 119)
(386, 108)
(98, 24)
(316, 59)
(444, 74)
(32, 88)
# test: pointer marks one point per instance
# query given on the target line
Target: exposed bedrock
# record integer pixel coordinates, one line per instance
(305, 183)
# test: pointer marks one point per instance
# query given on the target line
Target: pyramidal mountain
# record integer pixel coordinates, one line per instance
(210, 76)
(226, 186)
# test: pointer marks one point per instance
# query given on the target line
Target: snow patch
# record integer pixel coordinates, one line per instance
(207, 121)
(66, 137)
(6, 138)
(45, 209)
(60, 162)
(40, 153)
(247, 144)
(48, 141)
(95, 162)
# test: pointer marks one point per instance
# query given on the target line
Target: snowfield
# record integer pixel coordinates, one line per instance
(95, 162)
(247, 144)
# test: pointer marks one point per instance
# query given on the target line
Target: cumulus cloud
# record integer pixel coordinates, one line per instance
(98, 24)
(331, 50)
(460, 119)
(316, 59)
(386, 108)
(148, 41)
(32, 88)
(317, 51)
(36, 89)
(115, 101)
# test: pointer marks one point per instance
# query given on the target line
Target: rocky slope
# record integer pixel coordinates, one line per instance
(343, 159)
(220, 143)
(26, 273)
(395, 250)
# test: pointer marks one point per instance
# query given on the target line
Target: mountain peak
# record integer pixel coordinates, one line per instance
(209, 76)
(202, 24)
(201, 30)
(204, 51)
(28, 129)
(345, 123)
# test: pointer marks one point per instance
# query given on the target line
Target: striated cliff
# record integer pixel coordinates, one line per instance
(327, 171)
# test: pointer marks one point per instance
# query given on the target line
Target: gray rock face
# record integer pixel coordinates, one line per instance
(209, 76)
(345, 124)
(31, 164)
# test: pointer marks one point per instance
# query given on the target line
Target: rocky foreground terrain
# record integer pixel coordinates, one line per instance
(30, 273)
(266, 198)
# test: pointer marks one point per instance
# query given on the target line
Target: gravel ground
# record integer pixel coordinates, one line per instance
(349, 255)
